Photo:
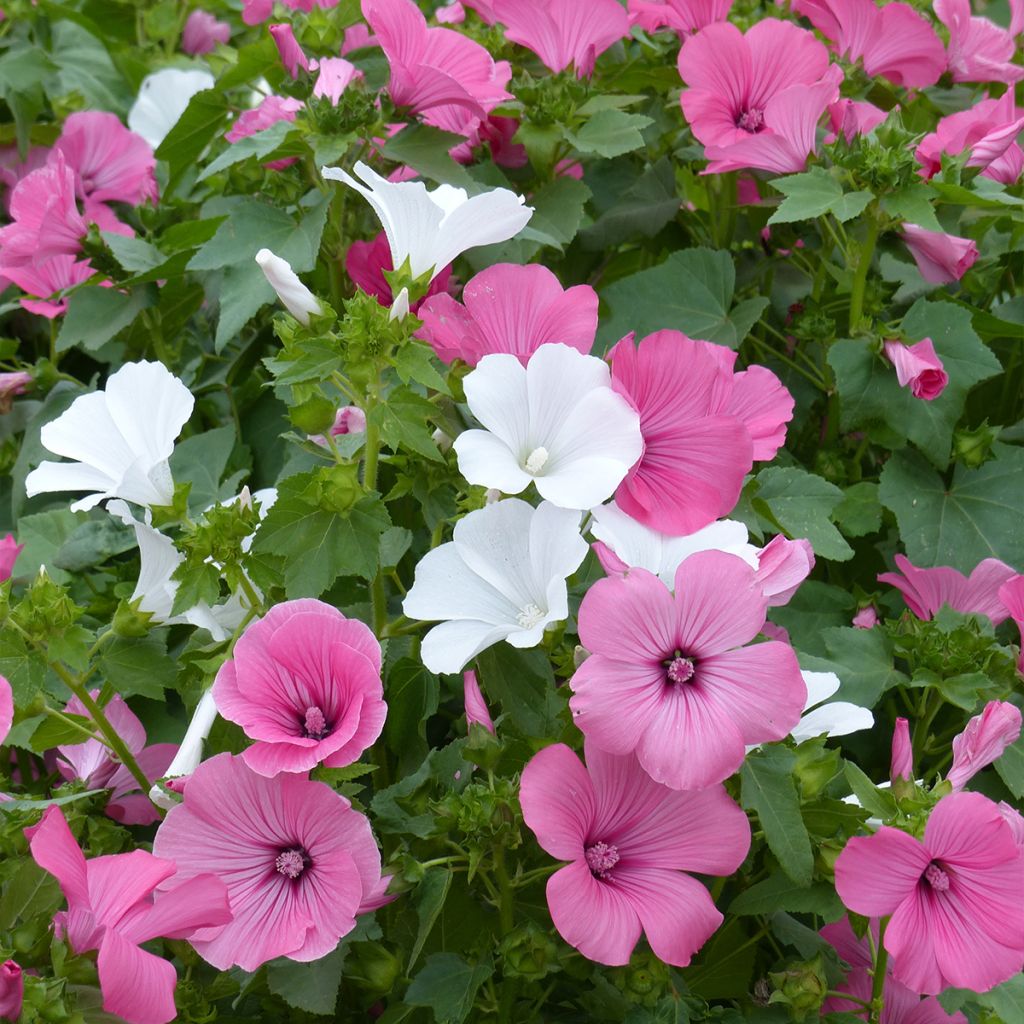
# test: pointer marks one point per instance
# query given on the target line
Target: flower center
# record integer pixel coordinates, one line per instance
(751, 121)
(937, 878)
(315, 725)
(536, 460)
(679, 669)
(291, 863)
(601, 858)
(529, 615)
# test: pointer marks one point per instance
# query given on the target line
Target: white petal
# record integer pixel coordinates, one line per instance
(487, 461)
(449, 646)
(497, 395)
(820, 686)
(838, 719)
(558, 379)
(87, 432)
(294, 295)
(163, 97)
(484, 219)
(400, 306)
(637, 545)
(67, 476)
(580, 483)
(557, 549)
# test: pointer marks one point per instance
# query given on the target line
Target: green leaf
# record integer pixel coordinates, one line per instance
(138, 665)
(767, 788)
(428, 899)
(403, 419)
(52, 732)
(913, 203)
(813, 608)
(134, 254)
(312, 987)
(1011, 768)
(863, 660)
(557, 212)
(877, 801)
(859, 512)
(816, 192)
(95, 315)
(425, 149)
(726, 964)
(262, 144)
(415, 361)
(629, 206)
(93, 542)
(25, 670)
(779, 893)
(200, 460)
(976, 517)
(850, 205)
(524, 683)
(1007, 999)
(203, 120)
(448, 985)
(412, 693)
(43, 535)
(85, 67)
(610, 133)
(802, 504)
(29, 893)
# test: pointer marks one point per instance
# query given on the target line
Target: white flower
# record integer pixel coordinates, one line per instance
(190, 753)
(400, 307)
(294, 295)
(555, 422)
(838, 718)
(502, 577)
(638, 546)
(431, 228)
(122, 438)
(163, 97)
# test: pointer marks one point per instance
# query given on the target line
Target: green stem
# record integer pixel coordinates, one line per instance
(860, 277)
(832, 994)
(370, 464)
(504, 889)
(255, 604)
(878, 976)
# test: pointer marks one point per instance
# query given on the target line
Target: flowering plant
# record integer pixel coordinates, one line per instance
(511, 511)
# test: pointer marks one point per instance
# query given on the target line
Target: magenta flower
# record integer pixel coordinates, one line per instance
(6, 708)
(48, 279)
(110, 163)
(335, 76)
(630, 844)
(983, 741)
(9, 551)
(955, 898)
(203, 32)
(476, 706)
(509, 308)
(668, 677)
(365, 263)
(304, 683)
(357, 37)
(703, 426)
(979, 50)
(12, 990)
(682, 16)
(292, 56)
(732, 76)
(917, 367)
(941, 258)
(927, 590)
(1011, 596)
(296, 859)
(901, 765)
(112, 909)
(563, 32)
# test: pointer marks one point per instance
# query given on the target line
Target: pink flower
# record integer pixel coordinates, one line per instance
(296, 859)
(6, 707)
(304, 683)
(254, 12)
(927, 590)
(941, 258)
(47, 279)
(357, 37)
(732, 76)
(901, 1005)
(682, 16)
(851, 118)
(292, 56)
(111, 908)
(350, 419)
(509, 308)
(866, 617)
(702, 425)
(13, 168)
(452, 13)
(91, 762)
(483, 8)
(918, 367)
(476, 706)
(203, 32)
(630, 844)
(955, 898)
(365, 263)
(979, 50)
(902, 763)
(11, 384)
(782, 565)
(270, 111)
(336, 74)
(1011, 595)
(1016, 17)
(983, 741)
(9, 551)
(12, 990)
(563, 32)
(668, 676)
(439, 73)
(893, 40)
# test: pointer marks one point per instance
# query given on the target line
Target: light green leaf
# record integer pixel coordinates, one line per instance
(262, 144)
(863, 660)
(802, 504)
(610, 133)
(95, 315)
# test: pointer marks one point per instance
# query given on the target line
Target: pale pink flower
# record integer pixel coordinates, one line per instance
(12, 990)
(297, 861)
(866, 617)
(47, 280)
(270, 110)
(365, 263)
(292, 56)
(668, 676)
(893, 40)
(1016, 17)
(92, 762)
(335, 76)
(112, 909)
(304, 683)
(349, 419)
(357, 37)
(6, 707)
(941, 258)
(983, 741)
(703, 426)
(452, 13)
(476, 706)
(926, 590)
(782, 565)
(509, 308)
(901, 765)
(682, 16)
(13, 168)
(1011, 595)
(9, 551)
(563, 32)
(202, 33)
(851, 118)
(955, 898)
(630, 844)
(11, 384)
(979, 50)
(917, 367)
(256, 11)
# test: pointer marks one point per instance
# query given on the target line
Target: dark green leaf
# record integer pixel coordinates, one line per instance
(95, 315)
(448, 985)
(863, 660)
(878, 802)
(522, 680)
(52, 731)
(428, 899)
(262, 144)
(201, 460)
(610, 133)
(403, 419)
(859, 512)
(312, 987)
(138, 665)
(779, 893)
(425, 149)
(1011, 768)
(802, 504)
(203, 120)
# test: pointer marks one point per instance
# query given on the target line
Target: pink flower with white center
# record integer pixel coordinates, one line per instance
(941, 258)
(954, 898)
(917, 367)
(681, 16)
(927, 590)
(893, 40)
(9, 551)
(91, 762)
(6, 708)
(304, 683)
(12, 990)
(110, 163)
(851, 118)
(335, 75)
(297, 860)
(901, 764)
(365, 263)
(901, 1005)
(292, 55)
(866, 617)
(113, 908)
(669, 678)
(563, 32)
(983, 741)
(703, 426)
(1011, 596)
(979, 50)
(732, 76)
(509, 308)
(476, 706)
(630, 844)
(203, 32)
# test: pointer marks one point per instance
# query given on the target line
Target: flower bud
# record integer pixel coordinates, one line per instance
(802, 988)
(974, 447)
(294, 295)
(12, 989)
(902, 763)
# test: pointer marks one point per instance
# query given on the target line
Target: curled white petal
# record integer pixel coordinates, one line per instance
(294, 295)
(190, 753)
